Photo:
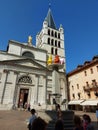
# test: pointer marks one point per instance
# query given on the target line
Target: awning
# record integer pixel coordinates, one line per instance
(89, 103)
(75, 102)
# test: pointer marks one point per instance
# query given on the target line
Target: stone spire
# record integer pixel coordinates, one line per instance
(50, 20)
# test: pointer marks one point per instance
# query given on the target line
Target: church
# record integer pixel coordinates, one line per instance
(34, 74)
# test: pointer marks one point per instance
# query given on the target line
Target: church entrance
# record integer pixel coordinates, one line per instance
(23, 97)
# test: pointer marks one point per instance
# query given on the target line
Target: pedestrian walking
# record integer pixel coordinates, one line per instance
(78, 123)
(59, 112)
(84, 121)
(39, 124)
(32, 118)
(89, 126)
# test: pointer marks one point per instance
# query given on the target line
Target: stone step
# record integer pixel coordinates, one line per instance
(67, 119)
(65, 128)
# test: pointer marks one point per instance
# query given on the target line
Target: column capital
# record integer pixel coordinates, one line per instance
(5, 71)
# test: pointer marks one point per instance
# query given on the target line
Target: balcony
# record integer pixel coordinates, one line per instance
(89, 87)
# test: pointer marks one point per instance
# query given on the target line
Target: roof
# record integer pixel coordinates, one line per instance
(86, 65)
(75, 102)
(90, 103)
(50, 20)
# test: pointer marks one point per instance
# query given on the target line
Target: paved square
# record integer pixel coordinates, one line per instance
(16, 120)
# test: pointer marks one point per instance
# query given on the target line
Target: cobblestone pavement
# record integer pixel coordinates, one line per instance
(16, 120)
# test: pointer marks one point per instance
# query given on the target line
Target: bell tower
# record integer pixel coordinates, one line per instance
(50, 38)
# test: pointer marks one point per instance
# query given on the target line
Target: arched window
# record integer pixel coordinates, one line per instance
(52, 34)
(49, 41)
(25, 79)
(59, 35)
(52, 50)
(59, 44)
(56, 51)
(55, 42)
(28, 54)
(55, 34)
(48, 31)
(52, 42)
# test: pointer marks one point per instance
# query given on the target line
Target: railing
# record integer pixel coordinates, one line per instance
(92, 86)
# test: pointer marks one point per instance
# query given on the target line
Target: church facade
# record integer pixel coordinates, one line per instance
(25, 76)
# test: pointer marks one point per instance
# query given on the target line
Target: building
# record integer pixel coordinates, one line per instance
(25, 76)
(83, 86)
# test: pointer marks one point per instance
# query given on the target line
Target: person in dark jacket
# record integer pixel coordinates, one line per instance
(39, 124)
(32, 118)
(78, 123)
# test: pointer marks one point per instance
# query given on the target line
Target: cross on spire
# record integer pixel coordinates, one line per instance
(49, 5)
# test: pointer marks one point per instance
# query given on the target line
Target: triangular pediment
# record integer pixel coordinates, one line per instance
(25, 63)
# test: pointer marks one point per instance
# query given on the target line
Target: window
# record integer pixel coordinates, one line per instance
(56, 51)
(25, 79)
(52, 34)
(97, 68)
(28, 54)
(77, 86)
(91, 71)
(59, 44)
(52, 42)
(85, 73)
(73, 95)
(79, 95)
(55, 42)
(48, 31)
(72, 87)
(87, 84)
(55, 34)
(49, 41)
(88, 93)
(94, 82)
(58, 35)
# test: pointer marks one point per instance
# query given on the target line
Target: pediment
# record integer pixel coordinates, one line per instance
(25, 63)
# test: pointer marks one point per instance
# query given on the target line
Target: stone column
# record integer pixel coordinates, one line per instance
(44, 89)
(36, 89)
(56, 82)
(11, 89)
(14, 89)
(4, 80)
(66, 93)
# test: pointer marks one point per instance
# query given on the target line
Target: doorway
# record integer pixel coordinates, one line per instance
(23, 97)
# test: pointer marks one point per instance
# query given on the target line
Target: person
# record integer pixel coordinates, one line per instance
(97, 113)
(28, 106)
(78, 123)
(59, 113)
(25, 106)
(84, 121)
(59, 125)
(89, 126)
(32, 118)
(39, 124)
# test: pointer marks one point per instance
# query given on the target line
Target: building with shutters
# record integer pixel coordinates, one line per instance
(83, 86)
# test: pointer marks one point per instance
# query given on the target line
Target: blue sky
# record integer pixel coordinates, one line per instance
(21, 18)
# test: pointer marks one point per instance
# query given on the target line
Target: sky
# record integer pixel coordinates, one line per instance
(79, 18)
